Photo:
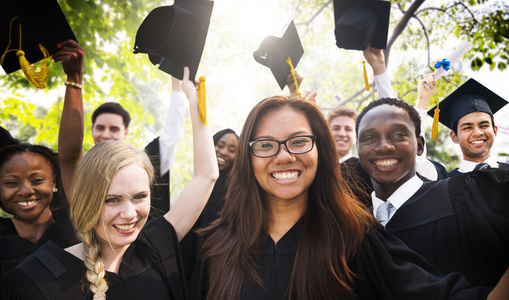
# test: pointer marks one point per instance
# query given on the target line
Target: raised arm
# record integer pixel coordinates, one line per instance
(70, 134)
(193, 198)
(173, 129)
(375, 58)
(422, 165)
(501, 290)
(290, 82)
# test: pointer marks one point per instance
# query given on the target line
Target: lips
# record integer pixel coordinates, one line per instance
(286, 175)
(386, 162)
(477, 142)
(125, 227)
(27, 204)
(221, 160)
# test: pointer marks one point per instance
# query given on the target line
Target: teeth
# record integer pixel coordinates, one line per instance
(125, 227)
(477, 142)
(286, 175)
(26, 203)
(219, 159)
(386, 162)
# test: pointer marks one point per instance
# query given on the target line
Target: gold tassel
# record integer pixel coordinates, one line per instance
(38, 79)
(434, 127)
(366, 82)
(202, 102)
(289, 61)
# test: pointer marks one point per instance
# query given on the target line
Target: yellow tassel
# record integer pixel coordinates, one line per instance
(434, 127)
(38, 79)
(289, 61)
(366, 82)
(202, 101)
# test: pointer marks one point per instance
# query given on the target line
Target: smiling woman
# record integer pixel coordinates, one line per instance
(121, 255)
(29, 176)
(290, 228)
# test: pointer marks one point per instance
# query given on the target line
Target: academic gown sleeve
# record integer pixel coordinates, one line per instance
(387, 269)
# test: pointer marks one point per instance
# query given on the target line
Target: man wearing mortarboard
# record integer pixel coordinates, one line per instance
(468, 113)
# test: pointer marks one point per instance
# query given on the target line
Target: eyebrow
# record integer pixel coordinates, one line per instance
(301, 132)
(472, 123)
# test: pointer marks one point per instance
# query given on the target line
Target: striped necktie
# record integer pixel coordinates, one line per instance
(382, 213)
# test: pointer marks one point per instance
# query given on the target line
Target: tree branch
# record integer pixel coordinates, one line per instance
(401, 26)
(425, 34)
(313, 17)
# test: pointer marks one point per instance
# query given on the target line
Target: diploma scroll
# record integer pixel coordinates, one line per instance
(452, 58)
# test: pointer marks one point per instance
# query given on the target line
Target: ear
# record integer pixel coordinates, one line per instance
(126, 133)
(454, 137)
(420, 145)
(495, 129)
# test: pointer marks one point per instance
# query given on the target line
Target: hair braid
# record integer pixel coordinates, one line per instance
(95, 265)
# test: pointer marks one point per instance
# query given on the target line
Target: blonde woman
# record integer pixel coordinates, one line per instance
(120, 257)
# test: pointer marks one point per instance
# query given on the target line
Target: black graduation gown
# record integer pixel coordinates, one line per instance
(151, 269)
(160, 194)
(14, 249)
(385, 268)
(191, 243)
(456, 172)
(460, 224)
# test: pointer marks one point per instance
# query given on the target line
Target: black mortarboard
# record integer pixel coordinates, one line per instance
(42, 22)
(359, 23)
(274, 51)
(6, 138)
(174, 36)
(468, 98)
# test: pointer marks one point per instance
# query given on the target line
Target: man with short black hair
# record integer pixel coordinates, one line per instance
(458, 224)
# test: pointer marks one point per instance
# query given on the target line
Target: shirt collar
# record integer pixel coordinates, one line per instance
(468, 166)
(342, 159)
(401, 195)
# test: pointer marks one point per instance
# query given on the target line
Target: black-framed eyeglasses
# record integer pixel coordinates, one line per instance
(295, 145)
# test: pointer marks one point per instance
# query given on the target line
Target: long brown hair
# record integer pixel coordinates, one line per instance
(332, 228)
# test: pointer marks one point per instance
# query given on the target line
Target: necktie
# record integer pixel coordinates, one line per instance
(382, 213)
(481, 166)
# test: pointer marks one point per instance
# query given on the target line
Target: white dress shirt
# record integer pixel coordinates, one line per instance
(173, 130)
(342, 159)
(400, 196)
(468, 166)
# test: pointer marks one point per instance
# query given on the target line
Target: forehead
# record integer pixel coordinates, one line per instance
(475, 117)
(343, 121)
(281, 123)
(26, 162)
(228, 138)
(384, 116)
(109, 119)
(129, 179)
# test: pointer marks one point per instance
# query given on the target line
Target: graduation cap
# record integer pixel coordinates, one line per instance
(359, 23)
(174, 36)
(6, 138)
(24, 24)
(468, 98)
(273, 53)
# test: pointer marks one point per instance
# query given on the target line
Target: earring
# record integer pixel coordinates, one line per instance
(55, 190)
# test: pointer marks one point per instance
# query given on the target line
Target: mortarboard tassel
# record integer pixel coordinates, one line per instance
(366, 82)
(38, 79)
(434, 127)
(289, 61)
(202, 101)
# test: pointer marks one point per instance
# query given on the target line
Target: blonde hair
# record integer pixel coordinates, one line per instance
(90, 183)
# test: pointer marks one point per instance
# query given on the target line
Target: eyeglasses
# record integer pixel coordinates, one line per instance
(295, 145)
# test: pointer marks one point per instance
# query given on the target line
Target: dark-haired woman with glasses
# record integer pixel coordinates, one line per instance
(290, 229)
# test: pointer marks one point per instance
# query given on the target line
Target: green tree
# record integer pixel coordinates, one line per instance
(107, 30)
